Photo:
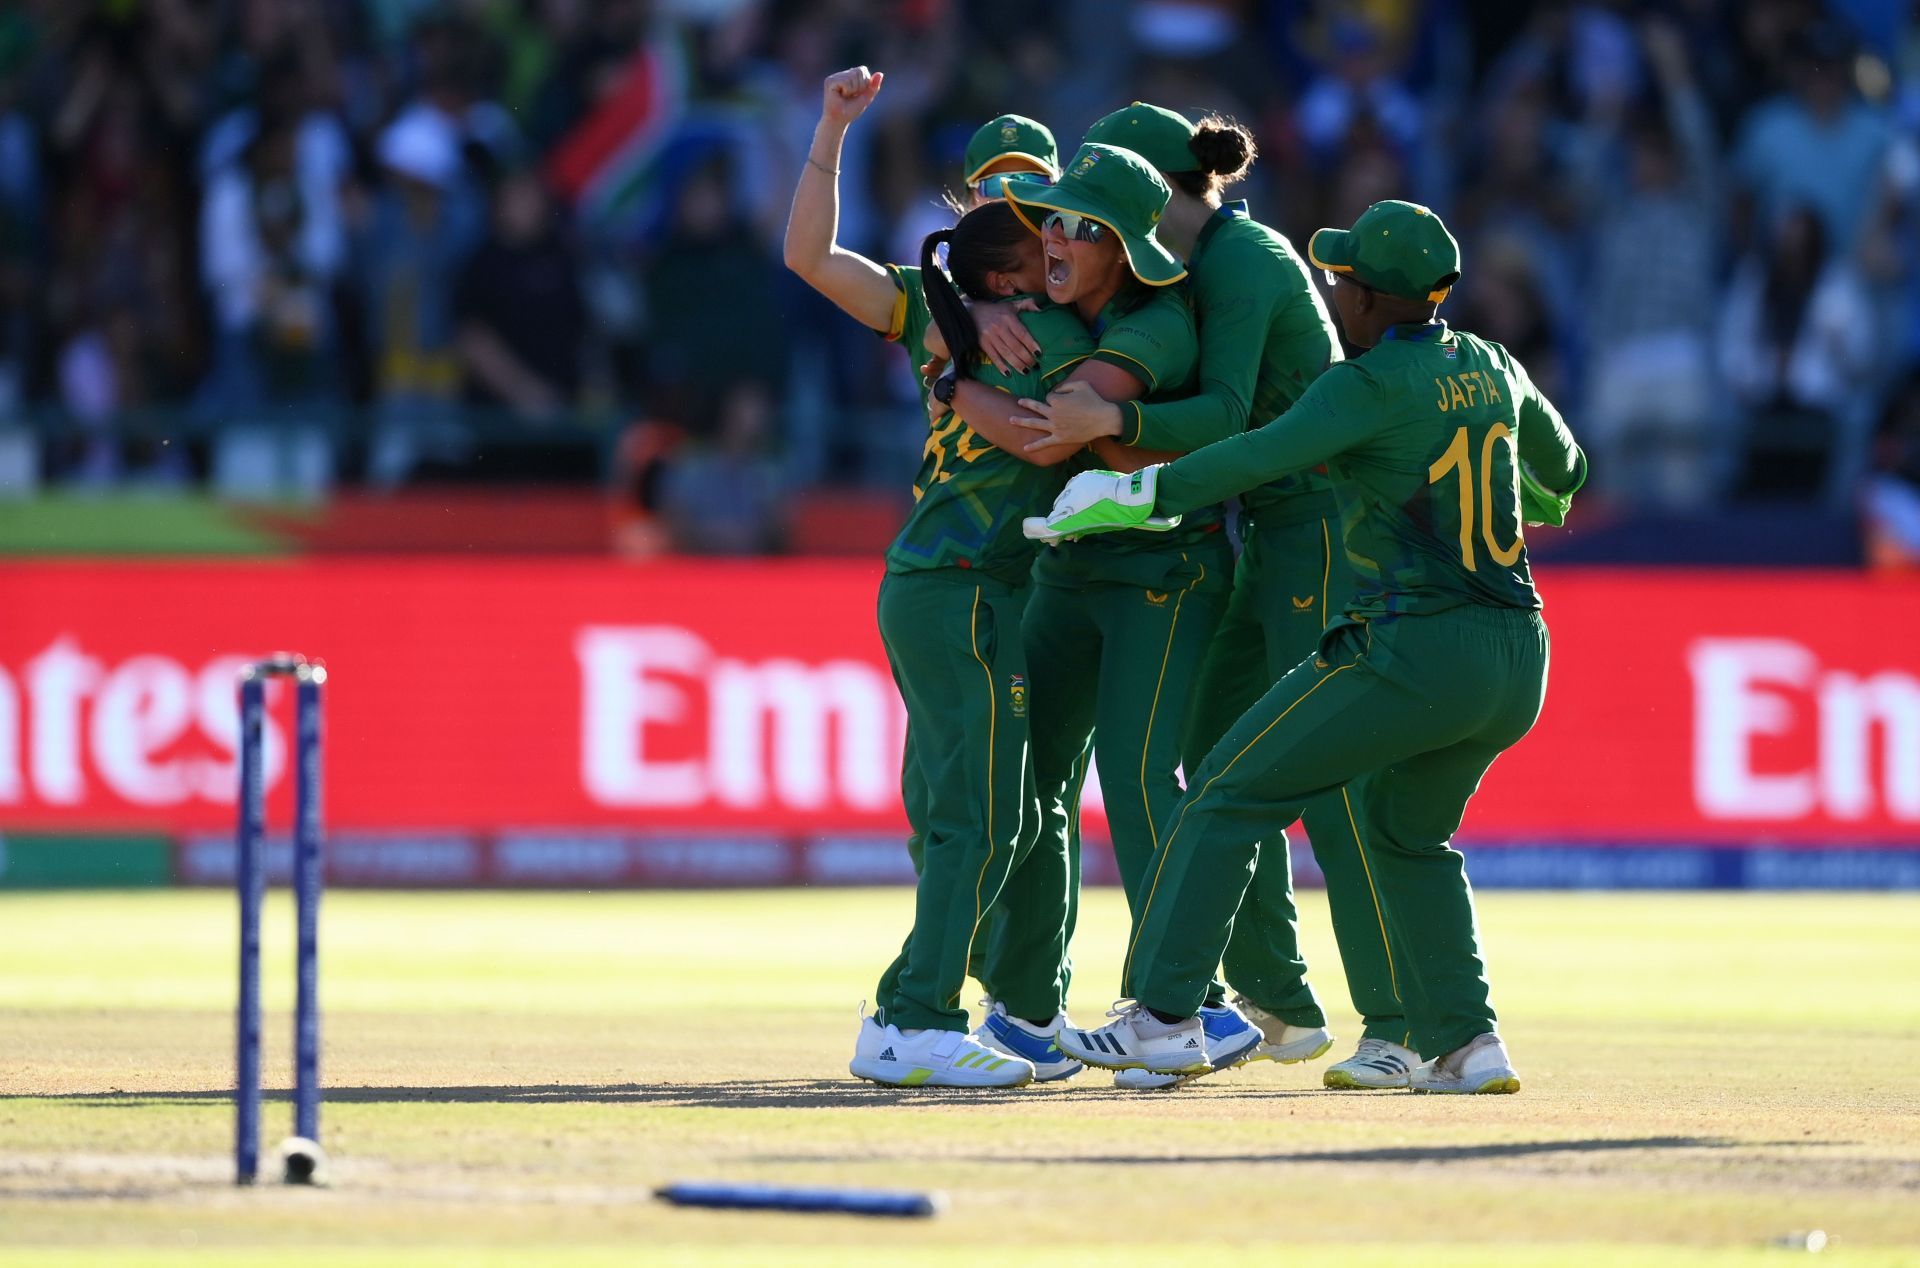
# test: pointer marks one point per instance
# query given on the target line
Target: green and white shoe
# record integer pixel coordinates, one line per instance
(1282, 1041)
(932, 1058)
(1481, 1066)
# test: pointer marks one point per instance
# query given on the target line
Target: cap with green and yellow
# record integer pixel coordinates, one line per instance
(1156, 134)
(1011, 137)
(1116, 188)
(1397, 247)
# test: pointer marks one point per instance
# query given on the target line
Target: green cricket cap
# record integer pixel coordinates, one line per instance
(1157, 135)
(1115, 187)
(1011, 136)
(1397, 247)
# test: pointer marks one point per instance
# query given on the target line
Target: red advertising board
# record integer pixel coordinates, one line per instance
(506, 696)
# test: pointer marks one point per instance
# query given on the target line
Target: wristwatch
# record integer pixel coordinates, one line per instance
(945, 386)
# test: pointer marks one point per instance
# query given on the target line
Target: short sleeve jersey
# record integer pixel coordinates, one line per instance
(1148, 332)
(1422, 435)
(908, 325)
(970, 496)
(1264, 335)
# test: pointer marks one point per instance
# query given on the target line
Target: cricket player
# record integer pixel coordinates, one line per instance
(1264, 336)
(890, 299)
(1116, 629)
(1438, 446)
(950, 611)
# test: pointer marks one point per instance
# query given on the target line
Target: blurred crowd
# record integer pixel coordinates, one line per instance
(539, 239)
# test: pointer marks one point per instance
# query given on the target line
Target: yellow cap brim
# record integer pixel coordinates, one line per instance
(1034, 161)
(1161, 266)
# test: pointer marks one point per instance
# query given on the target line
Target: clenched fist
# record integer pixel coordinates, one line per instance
(848, 93)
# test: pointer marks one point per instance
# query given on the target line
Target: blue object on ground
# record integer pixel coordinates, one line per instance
(764, 1197)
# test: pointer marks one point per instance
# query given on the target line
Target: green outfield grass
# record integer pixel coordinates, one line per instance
(120, 524)
(510, 1074)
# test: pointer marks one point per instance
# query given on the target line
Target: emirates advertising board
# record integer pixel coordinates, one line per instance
(597, 723)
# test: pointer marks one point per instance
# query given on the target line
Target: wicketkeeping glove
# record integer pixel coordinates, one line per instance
(1541, 505)
(1101, 502)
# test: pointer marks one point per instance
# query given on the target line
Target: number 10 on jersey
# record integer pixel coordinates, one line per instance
(1456, 459)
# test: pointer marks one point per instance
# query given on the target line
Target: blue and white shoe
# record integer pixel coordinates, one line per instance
(1006, 1033)
(1231, 1040)
(1137, 1040)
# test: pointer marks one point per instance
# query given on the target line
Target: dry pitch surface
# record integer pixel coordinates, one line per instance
(511, 1074)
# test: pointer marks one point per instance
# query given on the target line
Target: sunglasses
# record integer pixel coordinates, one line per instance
(1334, 279)
(1073, 225)
(995, 186)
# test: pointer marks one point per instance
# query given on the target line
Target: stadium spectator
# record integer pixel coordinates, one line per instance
(722, 496)
(708, 283)
(1651, 424)
(1795, 346)
(1519, 188)
(1818, 145)
(268, 257)
(1357, 85)
(208, 208)
(522, 322)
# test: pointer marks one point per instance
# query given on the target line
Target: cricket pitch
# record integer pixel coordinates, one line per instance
(509, 1075)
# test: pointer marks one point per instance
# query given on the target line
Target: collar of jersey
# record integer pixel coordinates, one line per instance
(1132, 293)
(1226, 214)
(1417, 331)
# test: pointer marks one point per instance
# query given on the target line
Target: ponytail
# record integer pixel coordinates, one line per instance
(943, 303)
(988, 239)
(1223, 152)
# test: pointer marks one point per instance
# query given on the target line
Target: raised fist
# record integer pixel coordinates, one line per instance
(848, 93)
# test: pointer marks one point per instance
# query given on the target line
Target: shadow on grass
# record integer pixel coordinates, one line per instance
(1377, 1156)
(844, 1093)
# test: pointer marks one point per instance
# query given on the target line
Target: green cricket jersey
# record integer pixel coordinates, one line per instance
(908, 326)
(1148, 332)
(970, 496)
(1423, 435)
(1264, 335)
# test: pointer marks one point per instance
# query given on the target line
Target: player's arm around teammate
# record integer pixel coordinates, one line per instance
(1114, 630)
(1440, 666)
(1265, 334)
(889, 299)
(949, 614)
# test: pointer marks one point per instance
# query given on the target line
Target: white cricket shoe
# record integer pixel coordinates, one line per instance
(1376, 1063)
(1137, 1040)
(1284, 1042)
(931, 1058)
(1480, 1066)
(1232, 1040)
(1013, 1037)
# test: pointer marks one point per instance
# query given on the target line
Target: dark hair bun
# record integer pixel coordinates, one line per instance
(1223, 148)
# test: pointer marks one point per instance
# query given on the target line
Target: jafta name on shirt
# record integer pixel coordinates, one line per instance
(1469, 387)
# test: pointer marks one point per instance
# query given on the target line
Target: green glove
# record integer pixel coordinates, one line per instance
(1541, 505)
(1101, 502)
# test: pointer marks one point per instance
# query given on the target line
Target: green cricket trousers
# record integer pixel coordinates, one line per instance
(953, 640)
(1287, 583)
(1114, 658)
(1413, 707)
